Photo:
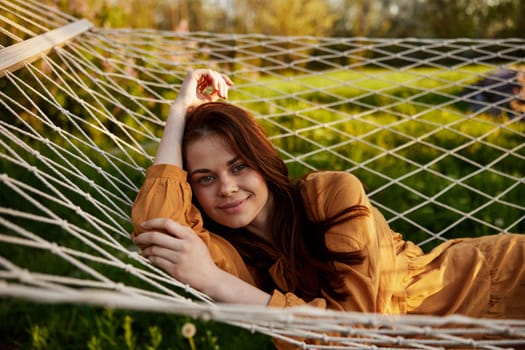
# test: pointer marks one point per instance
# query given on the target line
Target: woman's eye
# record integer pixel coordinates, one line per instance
(205, 179)
(239, 167)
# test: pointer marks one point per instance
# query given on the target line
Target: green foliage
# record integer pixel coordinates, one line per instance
(347, 18)
(57, 327)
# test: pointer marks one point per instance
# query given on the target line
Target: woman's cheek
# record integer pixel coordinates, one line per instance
(203, 195)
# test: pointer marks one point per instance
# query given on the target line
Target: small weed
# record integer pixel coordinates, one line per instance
(39, 337)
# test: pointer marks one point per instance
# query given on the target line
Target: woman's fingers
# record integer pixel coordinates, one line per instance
(157, 238)
(155, 252)
(214, 82)
(168, 226)
(203, 85)
(227, 79)
(225, 83)
(164, 233)
(219, 84)
(165, 264)
(165, 260)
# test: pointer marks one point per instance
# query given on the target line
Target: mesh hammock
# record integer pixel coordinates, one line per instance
(434, 127)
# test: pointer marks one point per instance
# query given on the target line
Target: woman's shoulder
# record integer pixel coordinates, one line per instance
(326, 192)
(330, 182)
(329, 175)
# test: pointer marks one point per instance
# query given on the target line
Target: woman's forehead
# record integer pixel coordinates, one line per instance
(209, 140)
(210, 149)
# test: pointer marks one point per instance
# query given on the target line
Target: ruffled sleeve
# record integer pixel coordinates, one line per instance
(167, 194)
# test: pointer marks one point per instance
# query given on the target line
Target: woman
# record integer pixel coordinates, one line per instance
(253, 236)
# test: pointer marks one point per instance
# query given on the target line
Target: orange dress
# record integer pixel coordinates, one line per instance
(478, 277)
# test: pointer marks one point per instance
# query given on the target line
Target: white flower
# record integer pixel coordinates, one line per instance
(188, 330)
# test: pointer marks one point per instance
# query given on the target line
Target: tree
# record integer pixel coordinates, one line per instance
(276, 17)
(369, 18)
(474, 19)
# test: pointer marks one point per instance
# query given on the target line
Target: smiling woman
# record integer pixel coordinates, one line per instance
(185, 249)
(218, 211)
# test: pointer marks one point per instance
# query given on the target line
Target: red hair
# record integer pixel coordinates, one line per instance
(288, 221)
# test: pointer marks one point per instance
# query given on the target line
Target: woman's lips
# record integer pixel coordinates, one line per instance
(232, 207)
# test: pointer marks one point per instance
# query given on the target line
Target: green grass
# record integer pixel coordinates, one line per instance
(38, 326)
(368, 120)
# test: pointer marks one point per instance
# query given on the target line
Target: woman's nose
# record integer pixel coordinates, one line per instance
(228, 186)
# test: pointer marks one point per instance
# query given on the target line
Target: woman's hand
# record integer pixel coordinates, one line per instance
(201, 86)
(178, 250)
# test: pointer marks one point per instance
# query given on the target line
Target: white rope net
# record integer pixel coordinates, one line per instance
(441, 155)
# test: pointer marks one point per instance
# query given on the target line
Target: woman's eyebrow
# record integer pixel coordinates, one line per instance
(205, 171)
(199, 171)
(231, 162)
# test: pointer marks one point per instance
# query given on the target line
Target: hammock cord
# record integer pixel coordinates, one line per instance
(82, 108)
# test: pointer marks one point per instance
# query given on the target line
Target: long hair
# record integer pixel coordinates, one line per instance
(288, 223)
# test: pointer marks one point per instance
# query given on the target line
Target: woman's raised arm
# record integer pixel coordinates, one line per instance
(199, 86)
(162, 218)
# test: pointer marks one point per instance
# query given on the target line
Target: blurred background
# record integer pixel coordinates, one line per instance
(374, 18)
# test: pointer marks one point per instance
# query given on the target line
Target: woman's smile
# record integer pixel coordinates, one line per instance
(233, 207)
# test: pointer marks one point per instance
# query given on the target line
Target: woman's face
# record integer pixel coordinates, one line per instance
(230, 192)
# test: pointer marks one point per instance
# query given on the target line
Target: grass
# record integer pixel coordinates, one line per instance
(409, 125)
(361, 133)
(40, 326)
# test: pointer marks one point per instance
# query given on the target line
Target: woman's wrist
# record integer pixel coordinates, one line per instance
(176, 121)
(227, 288)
